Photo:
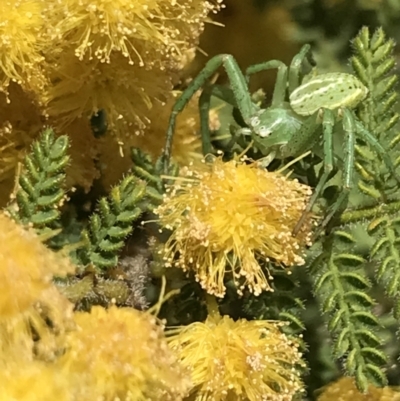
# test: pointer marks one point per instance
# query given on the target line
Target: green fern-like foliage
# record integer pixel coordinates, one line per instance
(342, 287)
(374, 63)
(368, 230)
(385, 253)
(283, 303)
(147, 170)
(105, 235)
(40, 185)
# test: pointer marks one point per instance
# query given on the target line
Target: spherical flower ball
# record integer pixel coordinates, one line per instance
(21, 24)
(229, 217)
(118, 56)
(238, 360)
(146, 32)
(32, 381)
(120, 353)
(345, 389)
(30, 305)
(27, 267)
(126, 93)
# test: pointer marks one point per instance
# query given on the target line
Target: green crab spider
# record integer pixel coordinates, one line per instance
(291, 125)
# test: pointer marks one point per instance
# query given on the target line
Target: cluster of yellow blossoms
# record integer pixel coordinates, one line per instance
(63, 61)
(47, 352)
(119, 56)
(229, 221)
(73, 58)
(27, 295)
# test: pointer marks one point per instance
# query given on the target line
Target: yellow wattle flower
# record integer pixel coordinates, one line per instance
(228, 218)
(118, 56)
(125, 92)
(27, 267)
(21, 25)
(121, 353)
(238, 360)
(146, 32)
(32, 381)
(20, 124)
(28, 298)
(345, 390)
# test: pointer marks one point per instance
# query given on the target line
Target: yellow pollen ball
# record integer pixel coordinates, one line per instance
(232, 217)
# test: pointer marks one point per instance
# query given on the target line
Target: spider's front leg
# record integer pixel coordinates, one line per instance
(296, 65)
(221, 92)
(350, 129)
(327, 118)
(239, 88)
(284, 74)
(279, 94)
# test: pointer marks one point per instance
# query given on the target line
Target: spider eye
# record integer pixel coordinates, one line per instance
(255, 121)
(264, 132)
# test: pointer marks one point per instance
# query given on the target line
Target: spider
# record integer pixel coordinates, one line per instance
(292, 124)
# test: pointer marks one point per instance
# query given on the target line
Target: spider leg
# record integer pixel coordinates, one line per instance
(223, 93)
(279, 94)
(328, 122)
(296, 64)
(236, 134)
(239, 88)
(375, 144)
(349, 127)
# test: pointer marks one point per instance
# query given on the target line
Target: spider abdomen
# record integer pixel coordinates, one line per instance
(329, 91)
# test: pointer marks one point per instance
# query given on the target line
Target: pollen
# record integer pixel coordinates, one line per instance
(233, 219)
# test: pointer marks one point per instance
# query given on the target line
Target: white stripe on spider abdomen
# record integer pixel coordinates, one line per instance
(329, 91)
